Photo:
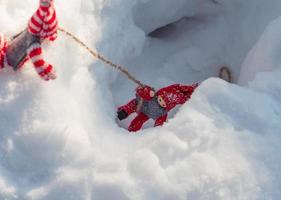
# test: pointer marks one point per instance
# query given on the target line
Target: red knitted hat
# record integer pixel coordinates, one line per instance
(172, 96)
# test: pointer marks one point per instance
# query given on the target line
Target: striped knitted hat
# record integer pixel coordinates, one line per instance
(44, 22)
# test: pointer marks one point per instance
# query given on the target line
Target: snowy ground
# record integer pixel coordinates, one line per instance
(59, 140)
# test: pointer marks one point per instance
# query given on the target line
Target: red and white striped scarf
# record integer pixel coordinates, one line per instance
(44, 22)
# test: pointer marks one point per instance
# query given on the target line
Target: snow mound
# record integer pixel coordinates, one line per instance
(264, 55)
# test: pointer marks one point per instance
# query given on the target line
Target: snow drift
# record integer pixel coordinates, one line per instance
(59, 140)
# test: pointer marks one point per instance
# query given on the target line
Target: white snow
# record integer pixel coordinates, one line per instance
(264, 56)
(59, 139)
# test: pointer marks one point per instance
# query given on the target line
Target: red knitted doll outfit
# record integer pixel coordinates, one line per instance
(172, 95)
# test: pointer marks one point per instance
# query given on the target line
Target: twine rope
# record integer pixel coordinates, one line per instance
(102, 58)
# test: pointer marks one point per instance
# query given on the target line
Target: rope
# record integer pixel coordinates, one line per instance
(102, 58)
(225, 74)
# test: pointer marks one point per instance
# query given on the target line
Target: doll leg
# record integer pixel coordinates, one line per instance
(137, 123)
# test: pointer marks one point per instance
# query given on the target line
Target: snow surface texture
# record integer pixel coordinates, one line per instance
(59, 140)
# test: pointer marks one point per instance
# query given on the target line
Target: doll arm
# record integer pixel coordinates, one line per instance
(45, 70)
(44, 21)
(3, 42)
(50, 24)
(3, 46)
(124, 111)
(36, 22)
(161, 120)
(145, 92)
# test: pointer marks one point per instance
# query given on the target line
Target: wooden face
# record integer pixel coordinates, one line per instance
(161, 102)
(152, 93)
(46, 2)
